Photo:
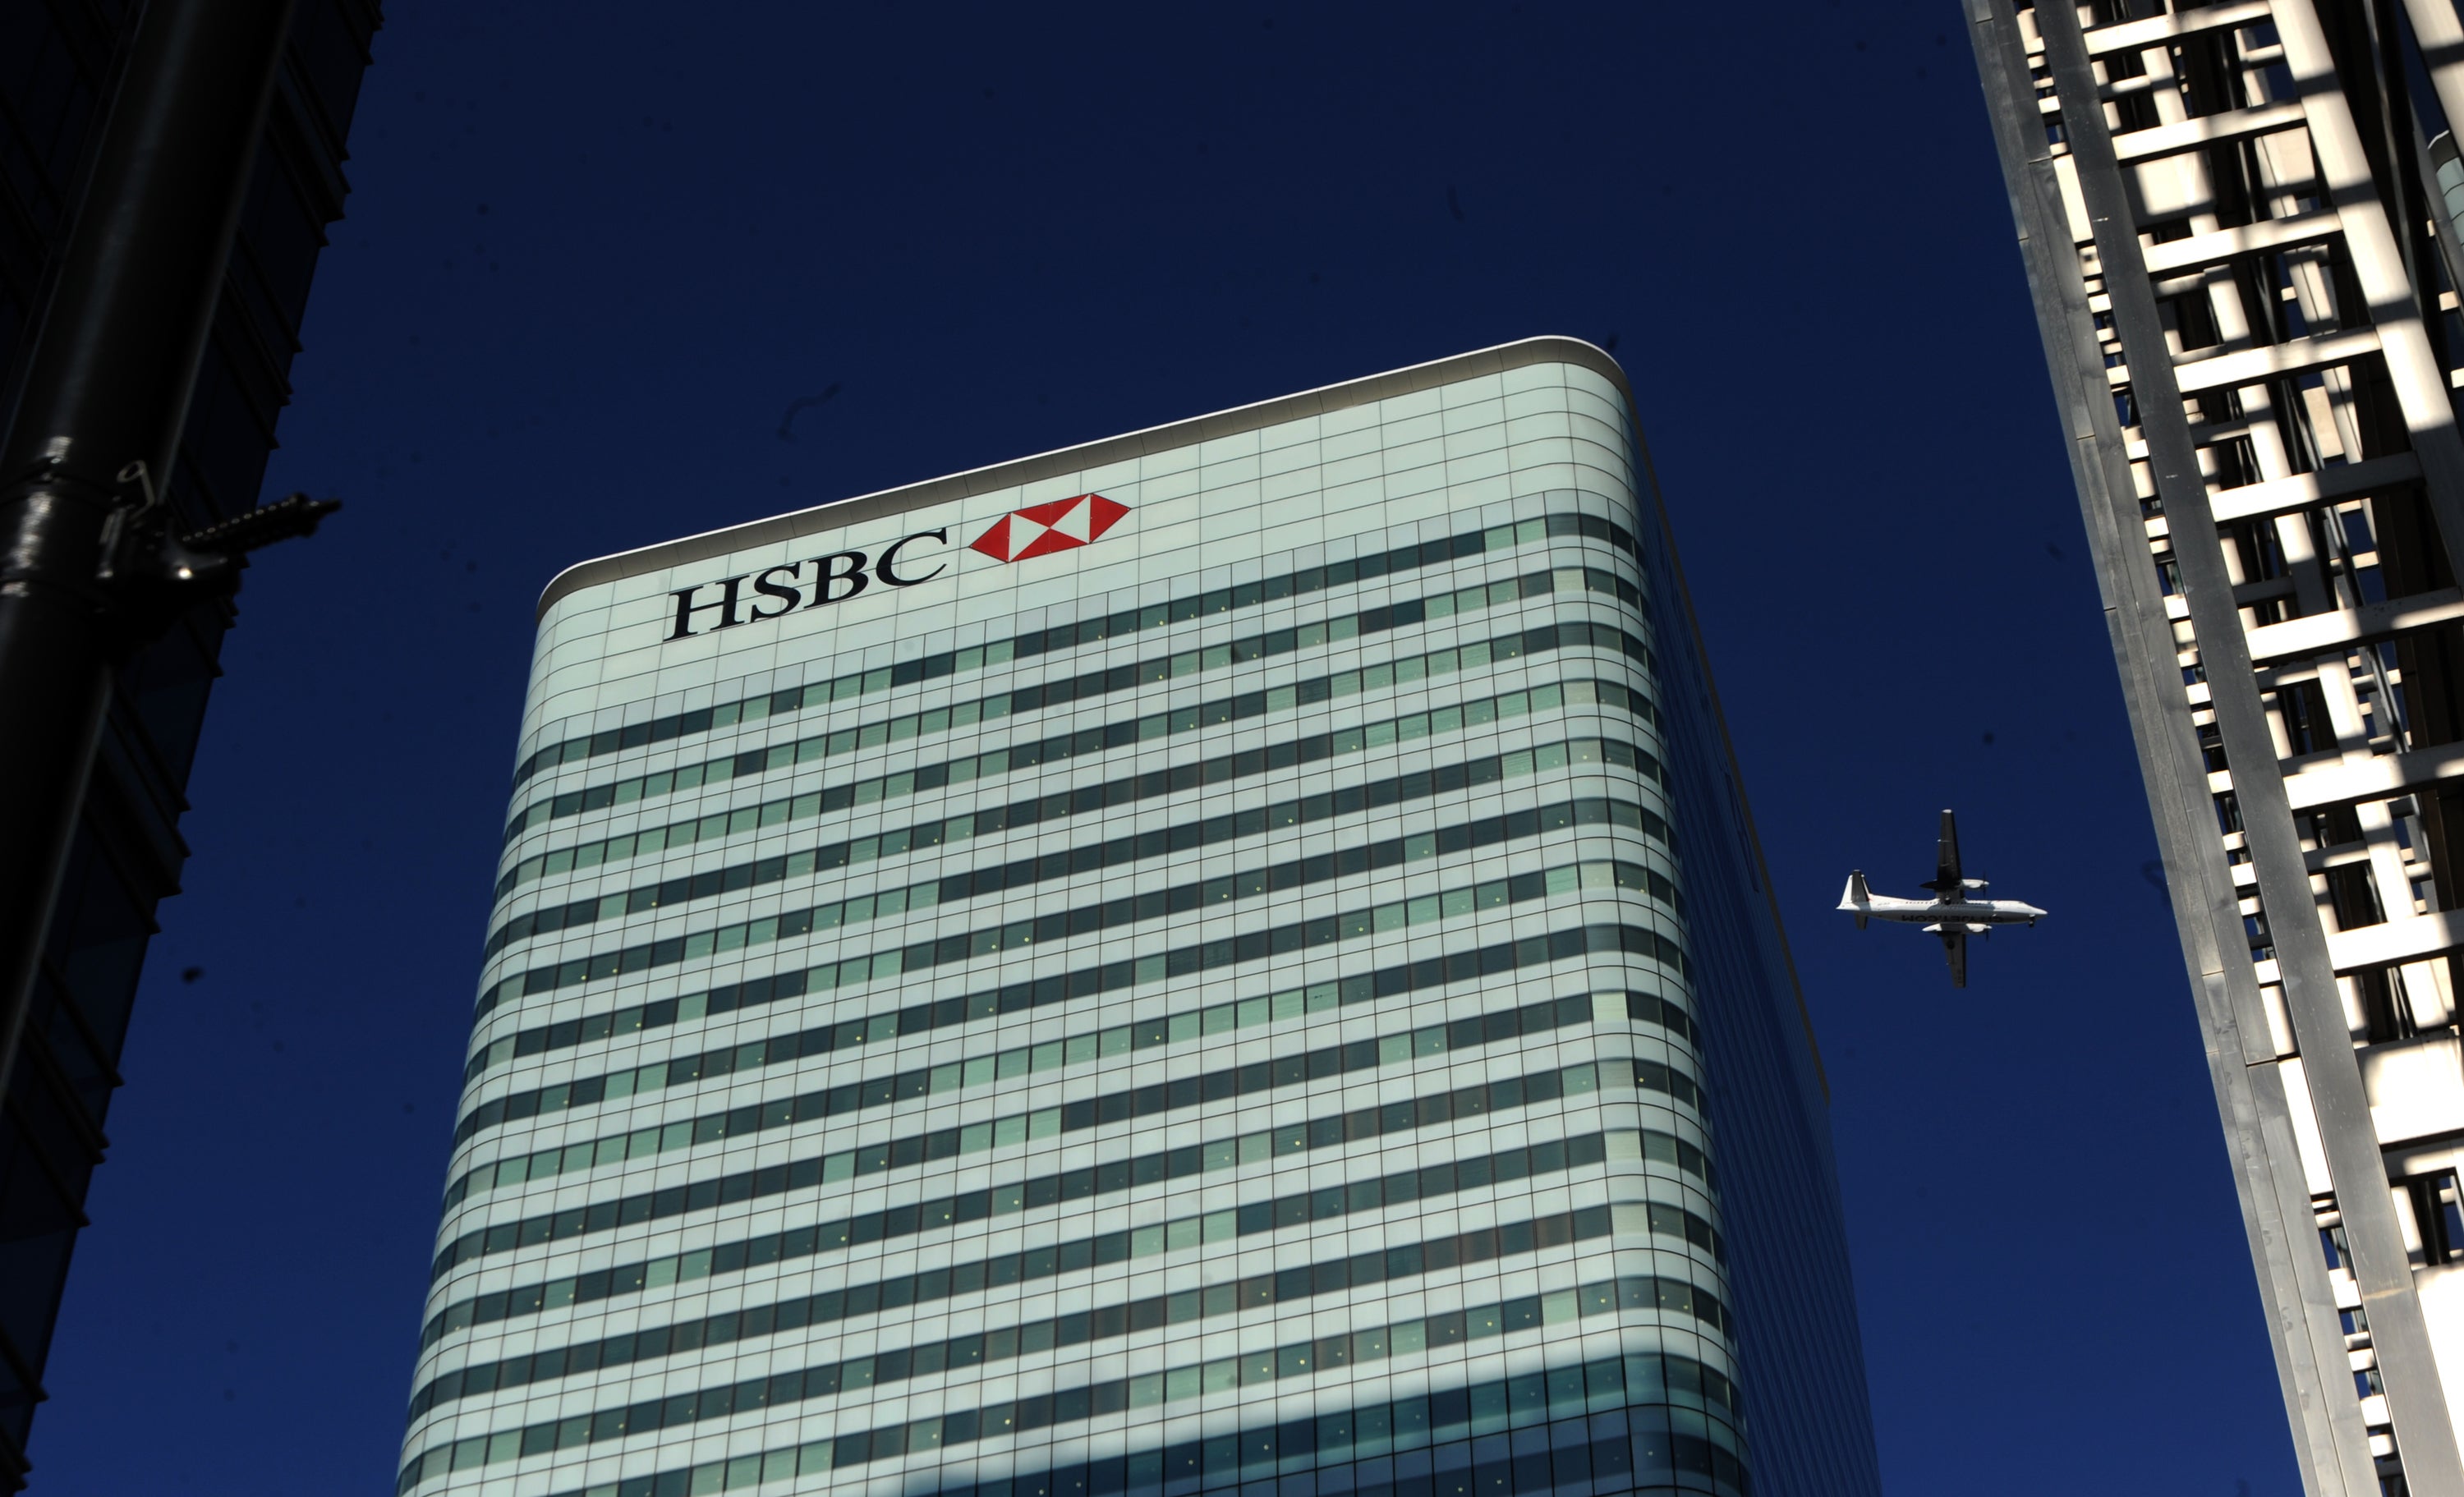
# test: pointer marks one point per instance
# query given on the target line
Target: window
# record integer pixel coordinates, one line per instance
(2331, 1242)
(2436, 1216)
(2135, 110)
(2236, 463)
(2227, 813)
(2303, 707)
(2194, 318)
(2256, 543)
(2356, 899)
(2385, 1008)
(2210, 77)
(2337, 827)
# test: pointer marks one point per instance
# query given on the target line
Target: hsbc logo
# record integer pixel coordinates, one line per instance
(1018, 535)
(1041, 529)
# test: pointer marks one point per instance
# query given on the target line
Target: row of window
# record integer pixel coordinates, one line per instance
(1068, 637)
(1196, 894)
(1035, 810)
(832, 1307)
(1259, 1146)
(1391, 982)
(1188, 1382)
(1090, 1046)
(915, 1018)
(1186, 1026)
(1176, 899)
(1189, 1025)
(1176, 1235)
(848, 1098)
(1131, 788)
(1073, 863)
(1185, 961)
(1100, 683)
(889, 1224)
(1599, 874)
(1408, 1447)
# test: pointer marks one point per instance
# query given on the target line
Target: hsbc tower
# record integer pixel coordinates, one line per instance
(1232, 957)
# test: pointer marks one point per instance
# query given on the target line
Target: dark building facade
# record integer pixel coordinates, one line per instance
(59, 62)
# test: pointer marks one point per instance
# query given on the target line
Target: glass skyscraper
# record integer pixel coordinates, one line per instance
(1228, 956)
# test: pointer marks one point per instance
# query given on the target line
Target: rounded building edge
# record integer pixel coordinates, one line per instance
(1523, 353)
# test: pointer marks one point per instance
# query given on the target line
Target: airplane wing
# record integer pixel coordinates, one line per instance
(1946, 883)
(1954, 947)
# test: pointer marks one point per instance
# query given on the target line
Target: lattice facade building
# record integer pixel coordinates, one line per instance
(2237, 232)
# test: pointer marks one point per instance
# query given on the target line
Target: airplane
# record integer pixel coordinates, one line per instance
(1950, 914)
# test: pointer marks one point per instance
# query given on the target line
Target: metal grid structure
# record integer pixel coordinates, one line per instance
(2235, 231)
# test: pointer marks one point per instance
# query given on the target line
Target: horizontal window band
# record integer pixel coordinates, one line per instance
(1189, 1025)
(1264, 760)
(951, 889)
(914, 956)
(1155, 1167)
(1070, 636)
(1289, 813)
(1090, 1046)
(954, 1010)
(1220, 1153)
(1179, 1384)
(1650, 1144)
(1558, 1414)
(1365, 923)
(990, 879)
(1443, 779)
(832, 1307)
(1643, 1448)
(894, 1222)
(1402, 977)
(1040, 809)
(1043, 697)
(1154, 903)
(1222, 1085)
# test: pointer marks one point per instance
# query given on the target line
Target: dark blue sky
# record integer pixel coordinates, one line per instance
(593, 255)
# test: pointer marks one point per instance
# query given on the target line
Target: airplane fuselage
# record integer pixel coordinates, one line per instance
(1955, 911)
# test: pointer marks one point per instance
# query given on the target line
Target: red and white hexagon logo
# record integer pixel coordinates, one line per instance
(1041, 529)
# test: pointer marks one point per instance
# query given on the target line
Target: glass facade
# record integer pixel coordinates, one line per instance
(1226, 957)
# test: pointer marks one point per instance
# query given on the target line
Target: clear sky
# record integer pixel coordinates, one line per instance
(595, 254)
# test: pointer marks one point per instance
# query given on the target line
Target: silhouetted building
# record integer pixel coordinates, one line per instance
(57, 65)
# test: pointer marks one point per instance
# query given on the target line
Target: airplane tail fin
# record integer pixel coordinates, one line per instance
(1857, 898)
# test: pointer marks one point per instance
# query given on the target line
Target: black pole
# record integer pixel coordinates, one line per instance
(106, 387)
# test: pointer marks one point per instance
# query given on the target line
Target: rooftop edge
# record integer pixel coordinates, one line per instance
(1521, 354)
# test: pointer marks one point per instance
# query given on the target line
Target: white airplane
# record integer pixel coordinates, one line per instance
(1950, 914)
